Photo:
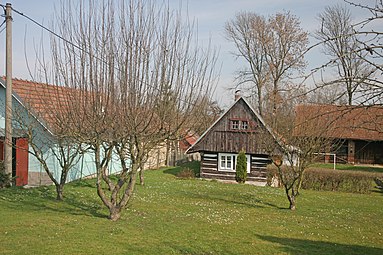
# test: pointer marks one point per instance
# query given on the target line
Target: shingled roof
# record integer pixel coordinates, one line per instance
(343, 122)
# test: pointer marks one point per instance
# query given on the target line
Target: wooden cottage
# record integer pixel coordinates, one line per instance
(356, 131)
(239, 128)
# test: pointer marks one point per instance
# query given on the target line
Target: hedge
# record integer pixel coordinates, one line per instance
(336, 180)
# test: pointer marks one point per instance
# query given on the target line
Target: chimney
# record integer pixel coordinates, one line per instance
(237, 94)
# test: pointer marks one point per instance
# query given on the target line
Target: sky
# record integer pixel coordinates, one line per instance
(210, 15)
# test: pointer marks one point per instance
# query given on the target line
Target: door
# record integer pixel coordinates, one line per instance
(21, 161)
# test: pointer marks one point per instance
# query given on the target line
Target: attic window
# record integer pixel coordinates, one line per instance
(235, 124)
(239, 124)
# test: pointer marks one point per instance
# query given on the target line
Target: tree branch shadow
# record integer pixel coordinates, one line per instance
(301, 246)
(248, 201)
(44, 199)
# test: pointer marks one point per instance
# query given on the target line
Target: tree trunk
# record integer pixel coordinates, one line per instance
(259, 89)
(114, 213)
(292, 202)
(274, 105)
(142, 179)
(167, 157)
(60, 191)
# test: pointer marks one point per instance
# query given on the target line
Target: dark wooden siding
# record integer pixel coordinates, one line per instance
(367, 152)
(221, 138)
(210, 161)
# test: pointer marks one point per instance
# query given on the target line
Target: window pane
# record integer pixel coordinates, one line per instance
(229, 162)
(222, 161)
(235, 124)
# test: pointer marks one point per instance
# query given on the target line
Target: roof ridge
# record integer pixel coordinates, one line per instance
(30, 81)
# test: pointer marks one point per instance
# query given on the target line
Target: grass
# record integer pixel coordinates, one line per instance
(350, 167)
(190, 216)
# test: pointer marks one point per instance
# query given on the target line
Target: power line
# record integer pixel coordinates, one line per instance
(2, 24)
(50, 31)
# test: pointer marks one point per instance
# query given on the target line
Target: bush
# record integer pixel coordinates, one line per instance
(186, 173)
(5, 179)
(193, 165)
(241, 168)
(338, 180)
(272, 176)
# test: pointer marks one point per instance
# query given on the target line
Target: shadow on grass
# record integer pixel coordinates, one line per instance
(379, 185)
(301, 246)
(44, 199)
(173, 171)
(248, 201)
(193, 165)
(83, 183)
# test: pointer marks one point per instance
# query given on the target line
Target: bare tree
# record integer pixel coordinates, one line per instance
(274, 49)
(341, 44)
(139, 75)
(370, 50)
(295, 146)
(43, 117)
(203, 116)
(248, 31)
(284, 48)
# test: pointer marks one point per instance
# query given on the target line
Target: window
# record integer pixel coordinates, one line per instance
(245, 125)
(239, 124)
(235, 124)
(228, 161)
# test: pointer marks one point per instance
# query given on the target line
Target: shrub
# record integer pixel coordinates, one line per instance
(186, 173)
(338, 180)
(5, 179)
(193, 165)
(241, 168)
(272, 176)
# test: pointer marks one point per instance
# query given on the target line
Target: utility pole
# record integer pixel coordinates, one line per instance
(8, 92)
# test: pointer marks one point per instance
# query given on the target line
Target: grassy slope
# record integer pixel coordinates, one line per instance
(173, 216)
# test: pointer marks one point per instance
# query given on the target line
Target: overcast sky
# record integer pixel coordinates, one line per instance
(210, 15)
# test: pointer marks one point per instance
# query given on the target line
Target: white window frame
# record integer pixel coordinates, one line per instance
(244, 125)
(224, 158)
(223, 167)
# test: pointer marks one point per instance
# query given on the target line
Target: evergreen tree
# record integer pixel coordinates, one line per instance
(241, 167)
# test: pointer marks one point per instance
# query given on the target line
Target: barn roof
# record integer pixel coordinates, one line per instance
(343, 122)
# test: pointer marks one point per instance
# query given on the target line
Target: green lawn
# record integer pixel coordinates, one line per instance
(350, 167)
(181, 216)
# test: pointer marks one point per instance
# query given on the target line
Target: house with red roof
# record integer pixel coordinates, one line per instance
(38, 101)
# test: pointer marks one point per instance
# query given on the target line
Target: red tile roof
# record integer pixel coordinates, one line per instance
(344, 122)
(44, 100)
(188, 140)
